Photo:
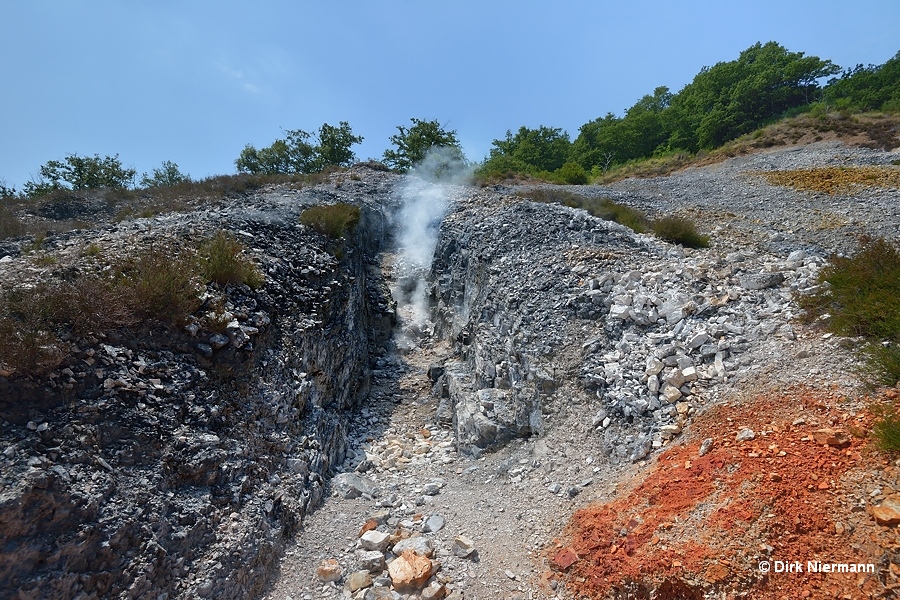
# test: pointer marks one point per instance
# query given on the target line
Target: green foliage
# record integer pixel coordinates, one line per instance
(867, 88)
(301, 152)
(570, 173)
(720, 104)
(735, 97)
(886, 429)
(861, 297)
(334, 145)
(81, 173)
(412, 144)
(679, 230)
(163, 283)
(7, 191)
(334, 220)
(222, 262)
(166, 175)
(541, 149)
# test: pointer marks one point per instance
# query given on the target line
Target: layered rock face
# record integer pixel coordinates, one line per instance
(547, 304)
(163, 463)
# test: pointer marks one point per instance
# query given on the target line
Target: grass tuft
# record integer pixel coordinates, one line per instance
(886, 429)
(222, 262)
(163, 283)
(679, 230)
(335, 220)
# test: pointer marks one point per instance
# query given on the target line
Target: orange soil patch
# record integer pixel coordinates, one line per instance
(695, 525)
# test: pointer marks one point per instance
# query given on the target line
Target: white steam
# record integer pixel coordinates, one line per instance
(425, 195)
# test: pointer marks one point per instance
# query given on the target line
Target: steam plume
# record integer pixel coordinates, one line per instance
(426, 194)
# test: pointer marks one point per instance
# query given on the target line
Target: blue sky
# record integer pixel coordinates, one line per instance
(193, 82)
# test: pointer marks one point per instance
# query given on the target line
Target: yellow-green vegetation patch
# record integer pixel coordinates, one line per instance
(334, 220)
(223, 262)
(835, 180)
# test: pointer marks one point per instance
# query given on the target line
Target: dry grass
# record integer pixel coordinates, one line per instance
(335, 220)
(222, 262)
(679, 230)
(162, 283)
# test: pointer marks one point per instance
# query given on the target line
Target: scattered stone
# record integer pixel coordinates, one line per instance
(831, 437)
(431, 489)
(418, 544)
(358, 580)
(329, 570)
(563, 559)
(434, 591)
(888, 512)
(761, 281)
(409, 571)
(371, 560)
(378, 593)
(433, 524)
(745, 435)
(375, 540)
(705, 447)
(218, 341)
(352, 485)
(463, 547)
(716, 573)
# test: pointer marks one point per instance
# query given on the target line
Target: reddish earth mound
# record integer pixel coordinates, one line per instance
(796, 496)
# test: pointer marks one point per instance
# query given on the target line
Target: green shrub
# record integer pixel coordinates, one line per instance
(335, 220)
(163, 283)
(861, 297)
(863, 292)
(886, 429)
(571, 173)
(679, 230)
(81, 173)
(165, 176)
(222, 262)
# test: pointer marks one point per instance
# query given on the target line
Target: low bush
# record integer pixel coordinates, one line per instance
(862, 294)
(860, 297)
(334, 220)
(10, 225)
(679, 230)
(163, 283)
(886, 428)
(222, 262)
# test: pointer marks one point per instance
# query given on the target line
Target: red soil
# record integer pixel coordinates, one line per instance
(696, 524)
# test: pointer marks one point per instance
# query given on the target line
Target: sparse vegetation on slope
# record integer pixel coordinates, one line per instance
(162, 283)
(861, 298)
(334, 220)
(677, 230)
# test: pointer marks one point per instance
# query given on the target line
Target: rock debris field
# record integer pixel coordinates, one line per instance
(568, 420)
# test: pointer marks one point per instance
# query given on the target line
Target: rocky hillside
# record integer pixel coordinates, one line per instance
(559, 357)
